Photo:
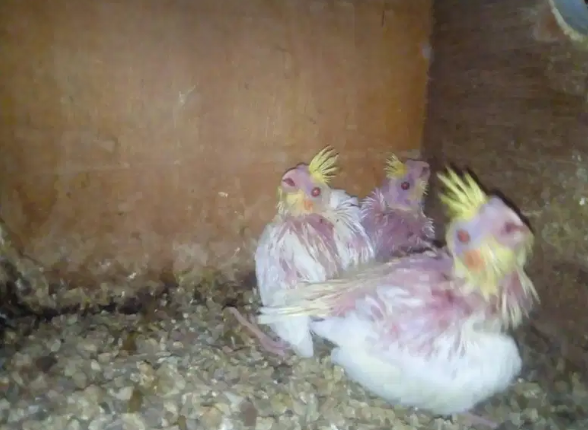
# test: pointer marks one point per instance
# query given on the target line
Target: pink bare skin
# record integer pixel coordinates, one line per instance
(442, 306)
(276, 347)
(392, 214)
(299, 244)
(279, 347)
(347, 303)
(295, 223)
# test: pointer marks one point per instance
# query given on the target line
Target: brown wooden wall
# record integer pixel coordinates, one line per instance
(139, 134)
(508, 99)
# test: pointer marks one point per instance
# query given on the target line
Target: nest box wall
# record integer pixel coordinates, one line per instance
(140, 136)
(508, 100)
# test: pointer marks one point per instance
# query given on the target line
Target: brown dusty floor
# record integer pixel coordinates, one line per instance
(180, 365)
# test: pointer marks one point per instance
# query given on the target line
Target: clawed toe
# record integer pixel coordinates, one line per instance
(275, 347)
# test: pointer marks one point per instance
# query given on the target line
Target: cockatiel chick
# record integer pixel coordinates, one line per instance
(316, 234)
(428, 330)
(393, 216)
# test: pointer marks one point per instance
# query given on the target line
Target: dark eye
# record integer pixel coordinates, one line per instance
(289, 182)
(405, 185)
(316, 191)
(511, 227)
(463, 236)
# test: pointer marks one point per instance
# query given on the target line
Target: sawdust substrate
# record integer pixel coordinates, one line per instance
(186, 364)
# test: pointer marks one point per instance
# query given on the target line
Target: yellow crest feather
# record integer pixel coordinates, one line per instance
(323, 166)
(464, 197)
(394, 167)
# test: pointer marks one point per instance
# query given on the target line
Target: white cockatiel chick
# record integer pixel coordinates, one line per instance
(316, 234)
(430, 330)
(393, 215)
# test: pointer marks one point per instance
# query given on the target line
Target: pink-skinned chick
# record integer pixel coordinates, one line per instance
(429, 330)
(316, 234)
(392, 214)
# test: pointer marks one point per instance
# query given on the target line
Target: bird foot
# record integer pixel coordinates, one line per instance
(273, 346)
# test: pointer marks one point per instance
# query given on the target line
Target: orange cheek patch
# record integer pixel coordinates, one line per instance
(473, 260)
(307, 205)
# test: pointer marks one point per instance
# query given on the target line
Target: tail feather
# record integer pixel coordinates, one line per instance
(316, 300)
(321, 299)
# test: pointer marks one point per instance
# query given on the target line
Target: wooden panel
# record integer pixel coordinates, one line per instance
(508, 100)
(139, 133)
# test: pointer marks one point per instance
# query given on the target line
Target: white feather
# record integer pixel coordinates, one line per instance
(464, 366)
(313, 260)
(279, 243)
(353, 243)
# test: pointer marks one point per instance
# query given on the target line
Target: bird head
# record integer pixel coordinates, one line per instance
(305, 188)
(487, 239)
(406, 183)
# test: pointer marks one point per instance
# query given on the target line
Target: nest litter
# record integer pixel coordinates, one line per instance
(186, 366)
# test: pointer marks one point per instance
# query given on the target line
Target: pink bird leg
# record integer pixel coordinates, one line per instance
(273, 346)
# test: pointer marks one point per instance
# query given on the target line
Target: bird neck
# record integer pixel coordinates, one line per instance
(510, 305)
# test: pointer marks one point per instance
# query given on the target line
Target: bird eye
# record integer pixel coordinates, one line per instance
(316, 191)
(511, 227)
(463, 236)
(405, 185)
(288, 182)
